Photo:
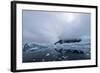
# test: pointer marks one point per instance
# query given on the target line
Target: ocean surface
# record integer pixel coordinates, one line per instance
(35, 52)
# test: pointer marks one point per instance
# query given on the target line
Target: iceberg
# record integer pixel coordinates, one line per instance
(33, 46)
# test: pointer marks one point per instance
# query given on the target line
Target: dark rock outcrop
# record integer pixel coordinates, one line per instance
(68, 41)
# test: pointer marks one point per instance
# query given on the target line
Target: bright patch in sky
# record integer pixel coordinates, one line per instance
(69, 17)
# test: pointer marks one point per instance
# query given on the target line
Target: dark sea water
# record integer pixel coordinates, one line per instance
(60, 52)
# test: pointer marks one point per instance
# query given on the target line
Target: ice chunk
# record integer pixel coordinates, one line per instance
(47, 54)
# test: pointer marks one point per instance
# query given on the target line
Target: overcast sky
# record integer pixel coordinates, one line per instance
(49, 27)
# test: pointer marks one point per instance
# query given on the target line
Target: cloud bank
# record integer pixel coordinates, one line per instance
(49, 27)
